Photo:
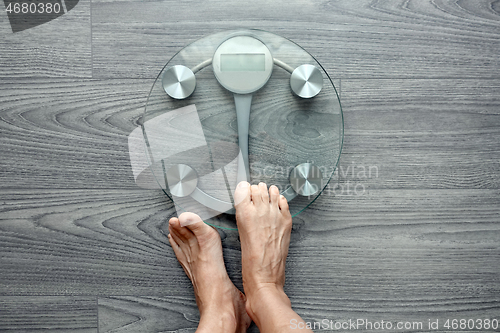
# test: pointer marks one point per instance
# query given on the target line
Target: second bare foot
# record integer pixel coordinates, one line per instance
(199, 251)
(264, 224)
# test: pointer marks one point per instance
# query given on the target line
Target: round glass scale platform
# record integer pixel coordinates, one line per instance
(241, 105)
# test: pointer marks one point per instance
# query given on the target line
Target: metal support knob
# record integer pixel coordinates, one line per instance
(306, 81)
(182, 180)
(306, 179)
(179, 82)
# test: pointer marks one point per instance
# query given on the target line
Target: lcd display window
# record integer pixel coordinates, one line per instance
(255, 62)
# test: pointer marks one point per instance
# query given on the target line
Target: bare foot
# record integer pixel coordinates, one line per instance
(264, 224)
(199, 251)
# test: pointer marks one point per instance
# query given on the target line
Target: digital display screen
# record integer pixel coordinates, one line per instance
(250, 62)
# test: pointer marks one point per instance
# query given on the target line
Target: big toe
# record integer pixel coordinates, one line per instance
(194, 223)
(242, 193)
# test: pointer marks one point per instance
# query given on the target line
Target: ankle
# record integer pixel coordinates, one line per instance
(264, 296)
(216, 321)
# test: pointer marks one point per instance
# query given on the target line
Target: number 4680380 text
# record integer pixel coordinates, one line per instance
(33, 8)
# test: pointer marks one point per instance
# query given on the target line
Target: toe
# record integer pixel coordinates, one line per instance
(264, 192)
(256, 197)
(274, 195)
(180, 255)
(176, 229)
(188, 218)
(242, 193)
(285, 213)
(177, 245)
(195, 224)
(283, 203)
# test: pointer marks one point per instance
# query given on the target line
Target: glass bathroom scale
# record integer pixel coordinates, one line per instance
(241, 105)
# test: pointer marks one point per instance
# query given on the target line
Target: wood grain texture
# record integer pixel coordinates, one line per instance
(51, 314)
(178, 314)
(59, 48)
(150, 314)
(415, 133)
(65, 242)
(90, 242)
(387, 254)
(69, 133)
(113, 243)
(421, 133)
(147, 314)
(418, 241)
(362, 39)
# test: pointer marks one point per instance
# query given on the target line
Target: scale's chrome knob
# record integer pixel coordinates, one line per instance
(182, 180)
(179, 82)
(306, 179)
(306, 81)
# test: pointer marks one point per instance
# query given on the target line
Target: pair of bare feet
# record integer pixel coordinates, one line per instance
(264, 224)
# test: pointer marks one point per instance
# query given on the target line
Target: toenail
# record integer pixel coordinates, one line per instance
(186, 222)
(243, 184)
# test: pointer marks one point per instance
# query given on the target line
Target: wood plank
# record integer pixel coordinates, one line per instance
(59, 48)
(421, 133)
(147, 314)
(150, 314)
(180, 314)
(412, 316)
(51, 314)
(414, 133)
(60, 133)
(397, 255)
(350, 39)
(76, 242)
(74, 134)
(88, 242)
(419, 241)
(386, 242)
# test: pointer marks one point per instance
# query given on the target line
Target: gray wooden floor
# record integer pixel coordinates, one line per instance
(83, 249)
